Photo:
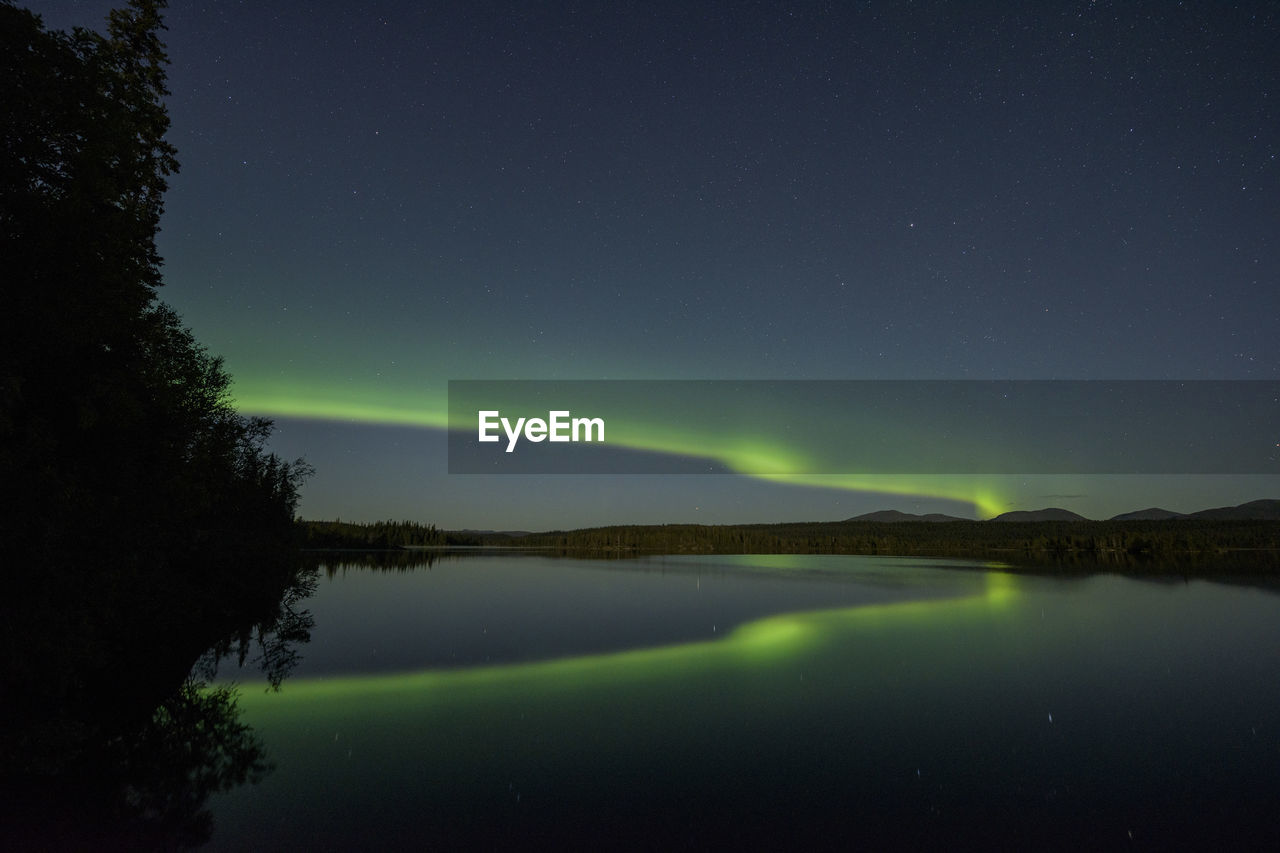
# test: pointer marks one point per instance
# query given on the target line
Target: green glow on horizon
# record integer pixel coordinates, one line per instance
(755, 457)
(753, 644)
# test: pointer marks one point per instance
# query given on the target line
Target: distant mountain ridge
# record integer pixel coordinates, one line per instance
(1052, 513)
(892, 515)
(1259, 510)
(1263, 510)
(1153, 513)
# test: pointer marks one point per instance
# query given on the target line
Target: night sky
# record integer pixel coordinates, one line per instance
(376, 198)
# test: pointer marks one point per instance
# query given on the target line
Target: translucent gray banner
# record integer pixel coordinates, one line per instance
(863, 427)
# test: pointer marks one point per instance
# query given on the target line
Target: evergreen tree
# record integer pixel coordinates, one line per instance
(141, 517)
(115, 425)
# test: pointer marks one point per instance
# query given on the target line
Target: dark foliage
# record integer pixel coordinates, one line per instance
(142, 521)
(116, 427)
(378, 534)
(1204, 545)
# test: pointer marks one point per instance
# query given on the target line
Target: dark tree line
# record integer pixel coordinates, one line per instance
(376, 535)
(116, 425)
(142, 519)
(1121, 543)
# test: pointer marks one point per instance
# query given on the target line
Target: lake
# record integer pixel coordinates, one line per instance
(766, 702)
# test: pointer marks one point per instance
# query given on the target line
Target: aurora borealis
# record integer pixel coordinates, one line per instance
(377, 199)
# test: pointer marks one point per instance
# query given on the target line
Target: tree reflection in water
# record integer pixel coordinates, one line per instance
(126, 758)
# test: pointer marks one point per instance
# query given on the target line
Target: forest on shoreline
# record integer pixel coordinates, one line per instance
(1190, 545)
(146, 531)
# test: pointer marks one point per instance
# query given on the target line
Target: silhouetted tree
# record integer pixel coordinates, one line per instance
(140, 515)
(116, 426)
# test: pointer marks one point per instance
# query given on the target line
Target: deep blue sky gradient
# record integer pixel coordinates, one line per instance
(376, 198)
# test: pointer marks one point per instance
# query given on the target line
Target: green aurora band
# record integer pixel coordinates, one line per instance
(760, 457)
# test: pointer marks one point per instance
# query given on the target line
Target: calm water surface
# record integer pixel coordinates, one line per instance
(767, 702)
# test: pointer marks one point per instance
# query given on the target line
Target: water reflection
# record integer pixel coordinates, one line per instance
(112, 735)
(758, 641)
(272, 644)
(932, 709)
(470, 609)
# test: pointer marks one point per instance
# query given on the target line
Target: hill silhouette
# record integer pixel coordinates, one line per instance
(1262, 510)
(1153, 513)
(890, 516)
(1049, 514)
